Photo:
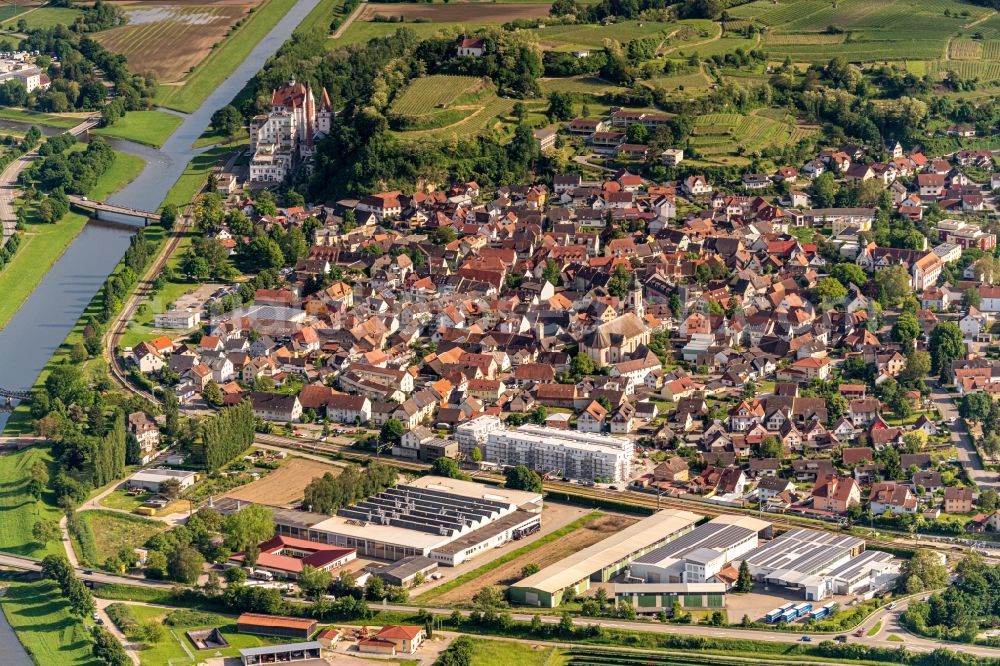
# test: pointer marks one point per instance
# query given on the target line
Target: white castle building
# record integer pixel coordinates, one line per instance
(287, 136)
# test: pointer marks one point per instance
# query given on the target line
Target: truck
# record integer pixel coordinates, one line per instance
(822, 612)
(260, 574)
(773, 616)
(802, 610)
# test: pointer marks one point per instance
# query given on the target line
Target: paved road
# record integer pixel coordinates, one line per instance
(911, 642)
(96, 576)
(967, 454)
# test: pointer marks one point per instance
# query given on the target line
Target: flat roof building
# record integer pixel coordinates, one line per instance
(153, 479)
(448, 520)
(701, 553)
(566, 453)
(803, 559)
(603, 560)
(272, 654)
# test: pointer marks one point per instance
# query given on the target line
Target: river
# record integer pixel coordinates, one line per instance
(49, 314)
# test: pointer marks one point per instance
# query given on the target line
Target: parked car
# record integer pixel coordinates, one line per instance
(841, 638)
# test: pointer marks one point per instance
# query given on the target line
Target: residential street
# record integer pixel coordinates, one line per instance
(967, 454)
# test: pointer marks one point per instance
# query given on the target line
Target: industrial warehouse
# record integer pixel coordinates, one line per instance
(698, 556)
(821, 564)
(603, 560)
(447, 520)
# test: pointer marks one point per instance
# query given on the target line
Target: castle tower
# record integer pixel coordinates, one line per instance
(324, 117)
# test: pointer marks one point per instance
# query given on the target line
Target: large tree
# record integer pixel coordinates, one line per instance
(248, 527)
(522, 478)
(946, 345)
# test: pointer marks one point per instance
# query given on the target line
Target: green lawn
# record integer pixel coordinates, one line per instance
(43, 244)
(170, 651)
(505, 653)
(152, 128)
(875, 628)
(37, 612)
(18, 509)
(119, 499)
(112, 531)
(221, 62)
(193, 179)
(44, 17)
(38, 118)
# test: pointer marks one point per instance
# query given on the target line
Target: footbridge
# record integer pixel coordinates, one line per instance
(112, 212)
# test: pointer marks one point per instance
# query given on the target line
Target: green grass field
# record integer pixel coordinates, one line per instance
(41, 17)
(43, 244)
(38, 613)
(38, 118)
(19, 510)
(505, 653)
(113, 531)
(170, 651)
(152, 128)
(221, 62)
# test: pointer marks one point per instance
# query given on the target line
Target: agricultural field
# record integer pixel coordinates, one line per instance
(286, 484)
(584, 535)
(429, 93)
(217, 59)
(484, 114)
(717, 137)
(169, 40)
(861, 30)
(503, 653)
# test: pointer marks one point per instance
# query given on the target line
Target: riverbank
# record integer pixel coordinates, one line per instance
(39, 616)
(43, 244)
(150, 128)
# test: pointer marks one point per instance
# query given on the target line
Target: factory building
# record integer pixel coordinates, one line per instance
(447, 520)
(603, 560)
(811, 561)
(697, 557)
(655, 597)
(564, 453)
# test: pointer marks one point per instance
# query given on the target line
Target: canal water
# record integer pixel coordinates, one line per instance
(49, 314)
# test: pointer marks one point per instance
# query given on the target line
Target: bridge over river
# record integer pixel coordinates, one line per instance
(112, 212)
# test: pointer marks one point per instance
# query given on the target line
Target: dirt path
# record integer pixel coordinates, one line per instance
(552, 552)
(349, 20)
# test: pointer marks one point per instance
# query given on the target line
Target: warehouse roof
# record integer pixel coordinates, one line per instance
(632, 539)
(274, 649)
(718, 534)
(800, 553)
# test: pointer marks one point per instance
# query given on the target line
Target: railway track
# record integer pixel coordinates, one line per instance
(627, 497)
(142, 289)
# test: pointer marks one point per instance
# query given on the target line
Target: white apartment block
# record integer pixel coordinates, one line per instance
(475, 432)
(30, 75)
(565, 453)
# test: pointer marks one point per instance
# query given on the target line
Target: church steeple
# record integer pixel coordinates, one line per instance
(635, 296)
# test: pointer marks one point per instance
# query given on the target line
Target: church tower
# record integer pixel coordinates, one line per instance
(635, 297)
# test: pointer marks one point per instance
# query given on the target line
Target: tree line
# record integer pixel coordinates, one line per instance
(329, 493)
(226, 435)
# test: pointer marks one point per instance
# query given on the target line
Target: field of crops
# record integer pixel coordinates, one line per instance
(984, 70)
(169, 40)
(578, 37)
(717, 134)
(587, 85)
(426, 94)
(36, 17)
(870, 30)
(490, 112)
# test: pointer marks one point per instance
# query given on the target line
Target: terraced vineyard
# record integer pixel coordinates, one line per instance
(869, 31)
(720, 134)
(431, 92)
